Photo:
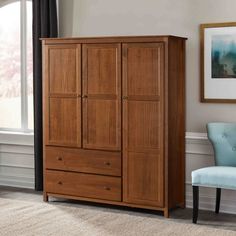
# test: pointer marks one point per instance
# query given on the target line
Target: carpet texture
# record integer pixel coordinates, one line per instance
(24, 218)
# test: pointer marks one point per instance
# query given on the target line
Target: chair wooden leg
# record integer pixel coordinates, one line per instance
(218, 196)
(195, 203)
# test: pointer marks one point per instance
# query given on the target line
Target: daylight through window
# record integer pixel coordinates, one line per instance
(16, 73)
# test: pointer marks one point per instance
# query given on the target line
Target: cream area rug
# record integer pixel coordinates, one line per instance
(25, 218)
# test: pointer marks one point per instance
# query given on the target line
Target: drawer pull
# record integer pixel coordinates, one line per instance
(107, 188)
(60, 183)
(107, 163)
(59, 158)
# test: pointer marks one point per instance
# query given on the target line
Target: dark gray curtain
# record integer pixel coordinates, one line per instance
(44, 26)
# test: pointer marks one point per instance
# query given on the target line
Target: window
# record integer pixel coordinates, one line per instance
(16, 73)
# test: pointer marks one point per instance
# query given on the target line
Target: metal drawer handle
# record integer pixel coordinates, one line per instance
(107, 163)
(59, 158)
(107, 188)
(60, 183)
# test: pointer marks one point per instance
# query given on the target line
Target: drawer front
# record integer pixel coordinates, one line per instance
(86, 161)
(83, 185)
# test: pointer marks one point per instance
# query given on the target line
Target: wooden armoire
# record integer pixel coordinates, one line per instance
(114, 120)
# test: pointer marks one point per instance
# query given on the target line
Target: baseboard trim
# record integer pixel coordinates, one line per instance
(16, 160)
(17, 181)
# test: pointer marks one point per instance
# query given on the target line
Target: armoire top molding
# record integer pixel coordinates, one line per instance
(111, 39)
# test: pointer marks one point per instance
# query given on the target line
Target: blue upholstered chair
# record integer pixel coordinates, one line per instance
(223, 174)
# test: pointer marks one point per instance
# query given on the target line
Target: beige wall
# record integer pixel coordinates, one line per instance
(140, 17)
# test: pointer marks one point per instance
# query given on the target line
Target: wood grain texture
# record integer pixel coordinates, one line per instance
(144, 179)
(110, 39)
(101, 96)
(142, 69)
(146, 154)
(143, 164)
(62, 95)
(64, 125)
(62, 73)
(44, 109)
(176, 123)
(84, 185)
(86, 161)
(143, 122)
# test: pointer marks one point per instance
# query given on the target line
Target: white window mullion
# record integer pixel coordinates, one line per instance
(24, 97)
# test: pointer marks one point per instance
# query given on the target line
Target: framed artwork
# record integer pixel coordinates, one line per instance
(218, 62)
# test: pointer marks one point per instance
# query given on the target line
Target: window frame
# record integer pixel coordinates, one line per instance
(23, 59)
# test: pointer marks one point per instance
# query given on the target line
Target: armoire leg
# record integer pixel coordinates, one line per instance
(45, 197)
(166, 213)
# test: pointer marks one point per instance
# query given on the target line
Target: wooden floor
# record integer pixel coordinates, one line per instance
(207, 218)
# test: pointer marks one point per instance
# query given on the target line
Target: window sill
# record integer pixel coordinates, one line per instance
(16, 138)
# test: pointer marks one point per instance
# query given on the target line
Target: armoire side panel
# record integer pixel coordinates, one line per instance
(62, 101)
(176, 122)
(143, 164)
(101, 96)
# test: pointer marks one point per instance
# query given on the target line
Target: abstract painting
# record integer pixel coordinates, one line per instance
(218, 62)
(223, 56)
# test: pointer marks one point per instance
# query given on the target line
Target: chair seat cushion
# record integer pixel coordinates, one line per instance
(215, 176)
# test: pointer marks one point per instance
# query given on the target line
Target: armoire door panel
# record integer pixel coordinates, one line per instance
(143, 123)
(143, 177)
(142, 69)
(143, 120)
(64, 69)
(101, 96)
(101, 124)
(64, 122)
(102, 71)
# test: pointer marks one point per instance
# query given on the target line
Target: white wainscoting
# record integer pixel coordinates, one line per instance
(16, 160)
(199, 153)
(17, 167)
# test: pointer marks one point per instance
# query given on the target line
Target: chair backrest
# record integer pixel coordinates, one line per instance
(223, 139)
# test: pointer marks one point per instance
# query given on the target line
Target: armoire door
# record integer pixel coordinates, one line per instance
(102, 96)
(62, 98)
(143, 162)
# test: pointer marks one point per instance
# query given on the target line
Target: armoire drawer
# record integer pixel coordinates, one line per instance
(83, 185)
(86, 161)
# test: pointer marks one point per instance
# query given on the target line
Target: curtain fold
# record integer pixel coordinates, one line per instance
(44, 26)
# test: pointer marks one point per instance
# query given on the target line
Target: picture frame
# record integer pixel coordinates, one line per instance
(218, 62)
